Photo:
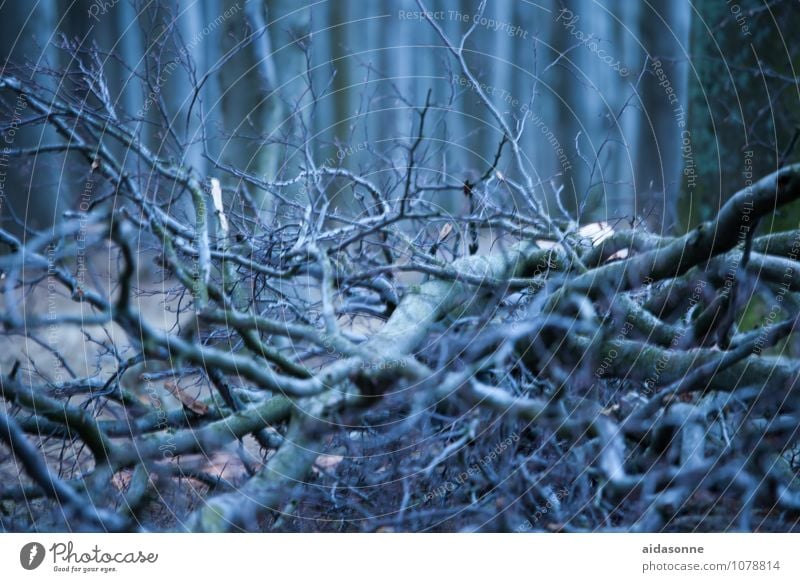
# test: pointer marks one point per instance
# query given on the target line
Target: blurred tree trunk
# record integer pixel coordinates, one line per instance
(31, 189)
(251, 108)
(744, 102)
(632, 154)
(659, 139)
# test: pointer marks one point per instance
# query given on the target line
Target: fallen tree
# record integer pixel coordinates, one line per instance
(388, 366)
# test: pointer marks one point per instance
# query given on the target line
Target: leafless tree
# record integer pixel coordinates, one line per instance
(353, 356)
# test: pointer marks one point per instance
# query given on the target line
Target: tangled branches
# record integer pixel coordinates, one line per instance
(176, 356)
